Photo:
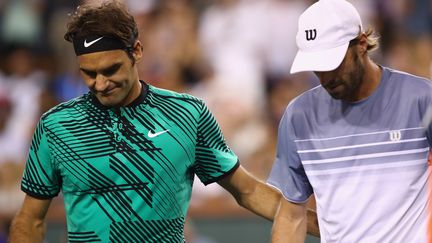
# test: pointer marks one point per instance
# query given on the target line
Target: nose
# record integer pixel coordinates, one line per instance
(101, 83)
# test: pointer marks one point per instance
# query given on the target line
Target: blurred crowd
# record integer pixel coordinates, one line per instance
(234, 54)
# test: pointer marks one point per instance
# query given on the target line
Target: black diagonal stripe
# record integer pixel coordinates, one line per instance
(155, 120)
(37, 138)
(97, 178)
(181, 110)
(155, 231)
(166, 192)
(79, 233)
(127, 175)
(90, 139)
(116, 188)
(86, 240)
(138, 137)
(41, 167)
(116, 206)
(36, 184)
(141, 165)
(70, 170)
(174, 115)
(121, 234)
(89, 236)
(136, 158)
(119, 203)
(69, 154)
(140, 116)
(153, 154)
(177, 119)
(103, 208)
(129, 230)
(211, 132)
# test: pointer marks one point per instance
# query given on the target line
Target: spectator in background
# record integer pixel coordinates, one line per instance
(21, 22)
(172, 59)
(406, 29)
(21, 76)
(231, 39)
(418, 27)
(65, 81)
(7, 157)
(21, 87)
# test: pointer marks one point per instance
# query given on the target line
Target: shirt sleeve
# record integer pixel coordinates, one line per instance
(425, 107)
(213, 158)
(39, 179)
(287, 173)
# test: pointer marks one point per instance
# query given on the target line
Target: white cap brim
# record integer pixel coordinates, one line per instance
(320, 61)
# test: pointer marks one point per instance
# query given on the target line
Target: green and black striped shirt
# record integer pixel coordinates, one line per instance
(126, 173)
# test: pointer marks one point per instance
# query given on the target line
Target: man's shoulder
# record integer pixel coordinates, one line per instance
(65, 108)
(408, 77)
(308, 99)
(172, 96)
(408, 83)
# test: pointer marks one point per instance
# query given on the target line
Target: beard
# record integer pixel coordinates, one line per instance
(351, 83)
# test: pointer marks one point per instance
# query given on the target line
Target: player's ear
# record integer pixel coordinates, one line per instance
(362, 44)
(137, 51)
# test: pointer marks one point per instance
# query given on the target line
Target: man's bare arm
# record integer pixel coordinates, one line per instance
(290, 223)
(251, 193)
(28, 224)
(261, 198)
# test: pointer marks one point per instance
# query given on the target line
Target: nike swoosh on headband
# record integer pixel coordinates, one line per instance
(87, 44)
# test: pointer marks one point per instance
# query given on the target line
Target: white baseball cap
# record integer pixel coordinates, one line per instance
(324, 32)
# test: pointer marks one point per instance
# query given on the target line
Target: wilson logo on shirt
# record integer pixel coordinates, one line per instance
(395, 135)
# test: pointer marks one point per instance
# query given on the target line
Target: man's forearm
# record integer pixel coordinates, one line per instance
(263, 201)
(289, 230)
(312, 223)
(25, 229)
(251, 193)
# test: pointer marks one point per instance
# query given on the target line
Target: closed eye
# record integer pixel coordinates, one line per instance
(90, 74)
(111, 70)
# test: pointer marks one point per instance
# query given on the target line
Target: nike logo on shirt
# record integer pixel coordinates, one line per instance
(152, 135)
(87, 44)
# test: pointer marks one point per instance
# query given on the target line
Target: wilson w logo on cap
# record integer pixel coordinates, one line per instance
(324, 32)
(311, 34)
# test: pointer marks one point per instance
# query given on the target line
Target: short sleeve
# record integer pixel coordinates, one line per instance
(287, 173)
(39, 179)
(213, 158)
(426, 108)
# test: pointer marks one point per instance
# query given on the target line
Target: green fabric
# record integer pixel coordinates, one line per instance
(119, 184)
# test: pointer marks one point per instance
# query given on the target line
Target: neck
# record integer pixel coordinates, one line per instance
(134, 93)
(371, 79)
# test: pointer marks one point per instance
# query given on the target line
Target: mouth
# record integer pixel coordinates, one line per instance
(334, 88)
(108, 92)
(332, 85)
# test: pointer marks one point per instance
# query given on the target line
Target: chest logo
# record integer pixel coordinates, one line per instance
(152, 135)
(395, 135)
